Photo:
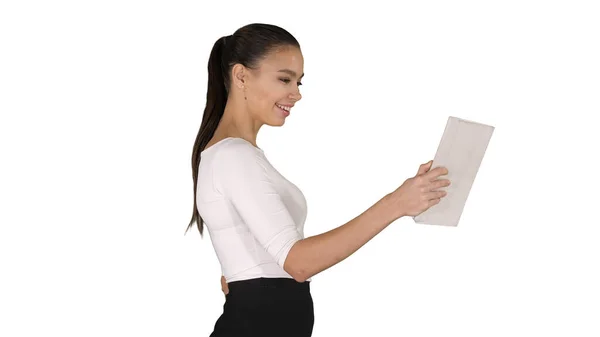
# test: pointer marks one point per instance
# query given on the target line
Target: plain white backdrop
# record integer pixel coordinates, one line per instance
(100, 104)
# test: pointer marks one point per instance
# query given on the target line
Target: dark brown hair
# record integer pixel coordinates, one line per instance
(247, 46)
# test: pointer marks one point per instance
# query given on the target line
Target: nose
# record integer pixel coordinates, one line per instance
(296, 96)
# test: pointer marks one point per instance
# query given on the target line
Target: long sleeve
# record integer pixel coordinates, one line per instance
(243, 177)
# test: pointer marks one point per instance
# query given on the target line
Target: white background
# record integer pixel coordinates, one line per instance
(101, 101)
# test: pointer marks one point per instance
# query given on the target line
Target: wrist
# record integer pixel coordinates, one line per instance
(392, 207)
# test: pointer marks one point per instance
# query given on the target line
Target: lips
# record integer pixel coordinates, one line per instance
(284, 107)
(284, 112)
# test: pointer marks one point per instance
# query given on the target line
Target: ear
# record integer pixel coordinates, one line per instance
(239, 75)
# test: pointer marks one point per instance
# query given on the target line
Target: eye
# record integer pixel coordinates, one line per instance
(287, 80)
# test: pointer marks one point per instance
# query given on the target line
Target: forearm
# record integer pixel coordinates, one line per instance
(314, 254)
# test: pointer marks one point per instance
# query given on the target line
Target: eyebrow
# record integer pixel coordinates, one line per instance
(290, 72)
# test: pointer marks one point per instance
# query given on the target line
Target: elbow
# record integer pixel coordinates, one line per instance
(293, 266)
(298, 274)
(300, 279)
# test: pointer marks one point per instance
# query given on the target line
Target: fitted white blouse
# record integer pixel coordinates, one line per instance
(252, 213)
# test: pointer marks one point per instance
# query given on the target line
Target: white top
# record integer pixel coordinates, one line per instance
(253, 214)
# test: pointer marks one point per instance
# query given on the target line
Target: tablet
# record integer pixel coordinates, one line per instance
(461, 151)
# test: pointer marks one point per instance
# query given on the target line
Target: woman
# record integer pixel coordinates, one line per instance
(254, 215)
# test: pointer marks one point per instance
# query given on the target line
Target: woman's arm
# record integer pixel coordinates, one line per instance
(314, 254)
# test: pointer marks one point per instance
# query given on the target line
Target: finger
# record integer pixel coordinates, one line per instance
(436, 172)
(436, 195)
(433, 202)
(424, 167)
(439, 183)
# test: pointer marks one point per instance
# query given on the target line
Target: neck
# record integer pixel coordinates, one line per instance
(238, 122)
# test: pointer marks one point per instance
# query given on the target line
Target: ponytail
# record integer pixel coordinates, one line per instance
(216, 98)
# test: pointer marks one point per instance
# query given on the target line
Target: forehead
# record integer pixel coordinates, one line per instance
(284, 58)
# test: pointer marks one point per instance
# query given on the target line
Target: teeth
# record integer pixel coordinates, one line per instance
(286, 108)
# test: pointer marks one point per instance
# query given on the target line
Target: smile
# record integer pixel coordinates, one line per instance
(286, 108)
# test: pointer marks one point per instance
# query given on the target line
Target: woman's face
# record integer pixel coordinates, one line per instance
(273, 88)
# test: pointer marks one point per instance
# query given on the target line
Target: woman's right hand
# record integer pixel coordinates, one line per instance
(419, 193)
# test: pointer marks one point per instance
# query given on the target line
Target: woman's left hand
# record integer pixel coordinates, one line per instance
(224, 286)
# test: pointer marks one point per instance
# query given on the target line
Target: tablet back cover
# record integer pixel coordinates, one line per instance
(461, 151)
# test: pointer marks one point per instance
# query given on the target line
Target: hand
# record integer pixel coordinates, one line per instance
(419, 193)
(224, 286)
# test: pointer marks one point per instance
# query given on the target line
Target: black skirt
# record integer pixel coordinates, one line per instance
(266, 307)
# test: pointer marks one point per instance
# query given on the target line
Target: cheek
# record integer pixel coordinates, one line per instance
(265, 98)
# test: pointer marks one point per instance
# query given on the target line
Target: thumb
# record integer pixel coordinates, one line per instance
(424, 167)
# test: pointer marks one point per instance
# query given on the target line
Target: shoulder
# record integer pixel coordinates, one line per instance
(237, 156)
(237, 151)
(238, 163)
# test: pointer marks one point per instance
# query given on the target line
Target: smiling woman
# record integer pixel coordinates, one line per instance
(254, 215)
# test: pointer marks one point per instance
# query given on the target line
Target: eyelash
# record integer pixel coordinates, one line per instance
(287, 80)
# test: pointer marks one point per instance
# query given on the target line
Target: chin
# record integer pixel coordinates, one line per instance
(276, 121)
(277, 118)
